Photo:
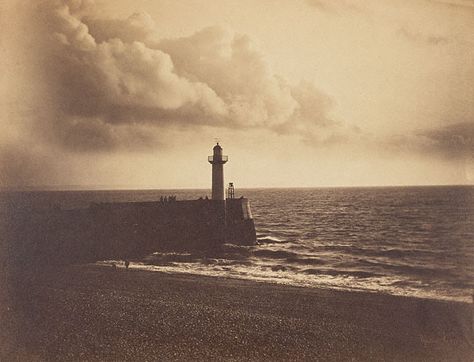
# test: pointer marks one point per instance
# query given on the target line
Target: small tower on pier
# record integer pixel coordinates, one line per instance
(231, 191)
(217, 161)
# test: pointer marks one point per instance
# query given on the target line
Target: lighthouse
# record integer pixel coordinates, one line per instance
(217, 161)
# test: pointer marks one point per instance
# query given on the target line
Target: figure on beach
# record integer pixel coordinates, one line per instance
(127, 263)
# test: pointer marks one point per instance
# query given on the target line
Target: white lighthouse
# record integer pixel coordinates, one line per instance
(217, 160)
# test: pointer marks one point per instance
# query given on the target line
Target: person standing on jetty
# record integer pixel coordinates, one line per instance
(127, 263)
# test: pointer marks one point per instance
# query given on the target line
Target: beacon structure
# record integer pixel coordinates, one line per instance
(130, 229)
(217, 160)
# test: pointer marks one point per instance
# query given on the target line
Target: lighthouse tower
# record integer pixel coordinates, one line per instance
(217, 161)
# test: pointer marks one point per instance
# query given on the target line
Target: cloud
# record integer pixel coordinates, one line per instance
(23, 165)
(452, 142)
(95, 135)
(423, 39)
(337, 7)
(108, 79)
(466, 4)
(455, 141)
(138, 26)
(238, 73)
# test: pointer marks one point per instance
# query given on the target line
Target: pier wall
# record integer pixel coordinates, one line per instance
(124, 230)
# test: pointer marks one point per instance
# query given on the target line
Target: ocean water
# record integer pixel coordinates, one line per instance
(415, 241)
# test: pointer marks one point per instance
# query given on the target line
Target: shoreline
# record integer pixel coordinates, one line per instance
(217, 279)
(140, 266)
(92, 312)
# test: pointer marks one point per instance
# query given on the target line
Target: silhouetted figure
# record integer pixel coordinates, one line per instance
(114, 266)
(161, 199)
(127, 263)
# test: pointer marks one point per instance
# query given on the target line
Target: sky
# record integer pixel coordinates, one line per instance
(299, 93)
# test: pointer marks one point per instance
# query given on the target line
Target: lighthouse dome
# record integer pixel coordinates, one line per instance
(217, 147)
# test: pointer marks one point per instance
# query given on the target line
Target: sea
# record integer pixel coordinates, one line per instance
(411, 241)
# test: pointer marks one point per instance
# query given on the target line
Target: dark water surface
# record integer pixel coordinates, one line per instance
(416, 241)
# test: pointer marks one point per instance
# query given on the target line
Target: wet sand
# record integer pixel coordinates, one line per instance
(95, 313)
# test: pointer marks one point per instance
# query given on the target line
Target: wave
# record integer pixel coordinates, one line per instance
(274, 254)
(306, 261)
(270, 240)
(376, 250)
(351, 273)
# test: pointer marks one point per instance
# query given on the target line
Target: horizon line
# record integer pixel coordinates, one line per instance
(151, 188)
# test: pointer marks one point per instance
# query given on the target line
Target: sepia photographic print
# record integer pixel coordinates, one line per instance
(237, 180)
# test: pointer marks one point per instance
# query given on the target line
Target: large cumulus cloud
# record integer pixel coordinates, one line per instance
(114, 79)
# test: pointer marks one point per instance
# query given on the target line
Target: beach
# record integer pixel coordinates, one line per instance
(92, 312)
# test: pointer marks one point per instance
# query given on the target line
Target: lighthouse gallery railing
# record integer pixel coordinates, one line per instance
(218, 158)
